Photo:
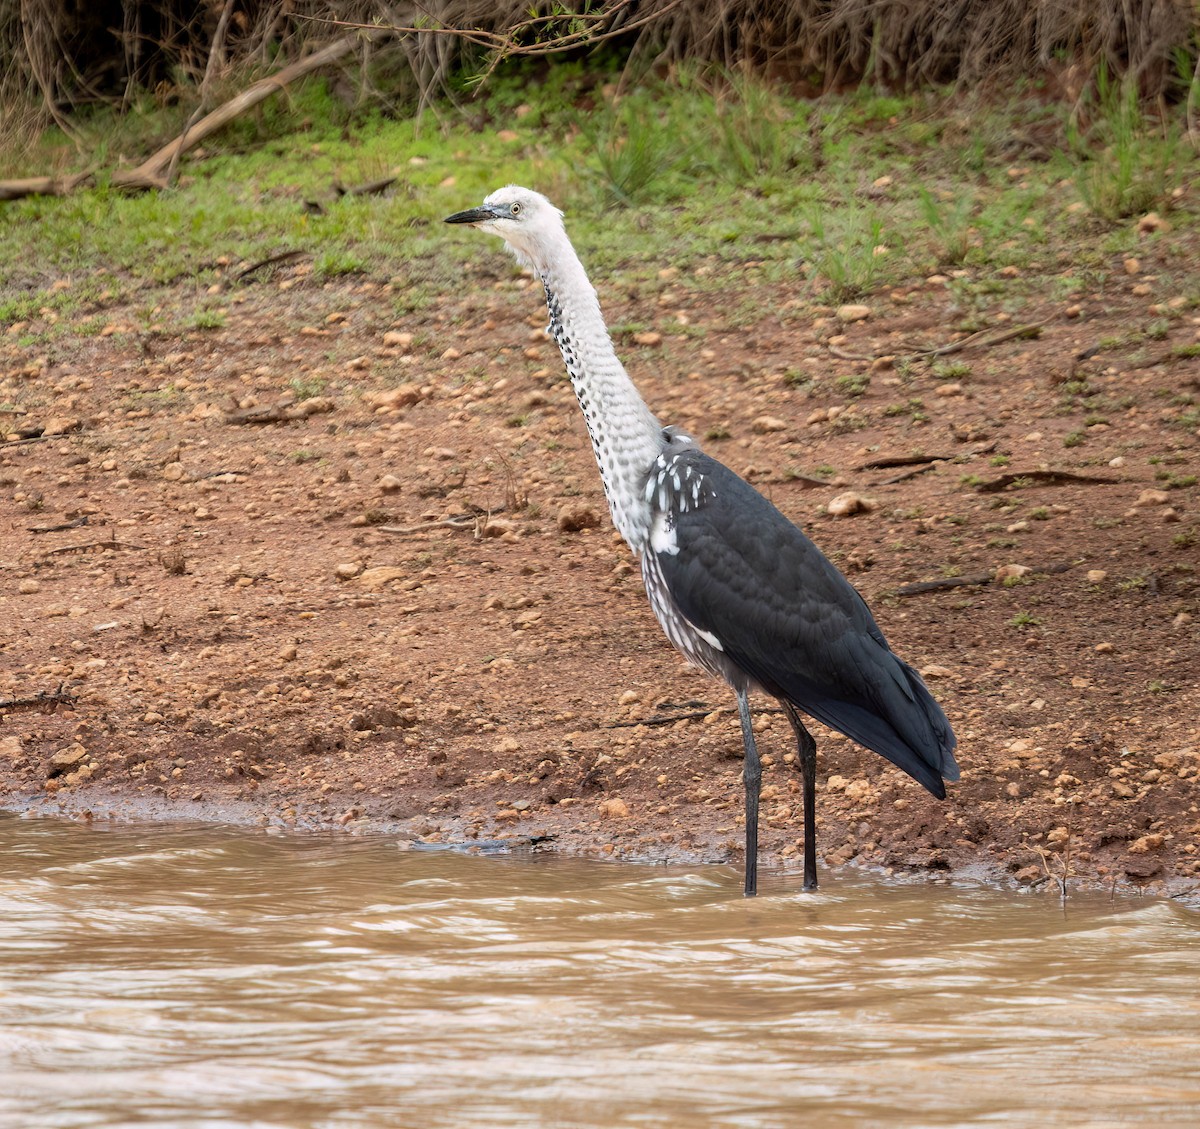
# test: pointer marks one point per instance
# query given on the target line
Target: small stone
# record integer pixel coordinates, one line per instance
(936, 671)
(577, 516)
(1153, 498)
(288, 654)
(65, 760)
(359, 363)
(173, 472)
(375, 578)
(1132, 266)
(853, 312)
(649, 338)
(1141, 290)
(390, 484)
(1182, 619)
(836, 784)
(857, 791)
(614, 808)
(1146, 843)
(62, 425)
(1104, 648)
(850, 503)
(1011, 572)
(400, 397)
(347, 570)
(1096, 576)
(451, 354)
(499, 527)
(397, 339)
(629, 697)
(28, 587)
(952, 388)
(1152, 222)
(765, 424)
(314, 405)
(52, 611)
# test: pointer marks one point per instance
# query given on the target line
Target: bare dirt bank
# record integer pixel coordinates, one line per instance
(398, 602)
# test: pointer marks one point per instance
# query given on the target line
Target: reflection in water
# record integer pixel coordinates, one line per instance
(208, 978)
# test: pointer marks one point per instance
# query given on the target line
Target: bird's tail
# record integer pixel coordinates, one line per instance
(905, 725)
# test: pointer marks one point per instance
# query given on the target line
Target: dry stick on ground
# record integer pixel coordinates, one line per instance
(41, 186)
(922, 586)
(270, 260)
(978, 340)
(60, 528)
(371, 188)
(47, 702)
(694, 715)
(1045, 478)
(464, 521)
(149, 174)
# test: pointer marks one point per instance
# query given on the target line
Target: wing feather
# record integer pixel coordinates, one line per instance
(791, 620)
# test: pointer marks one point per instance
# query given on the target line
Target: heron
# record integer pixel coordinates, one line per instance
(738, 589)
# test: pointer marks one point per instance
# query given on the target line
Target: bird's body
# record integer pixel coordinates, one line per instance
(738, 589)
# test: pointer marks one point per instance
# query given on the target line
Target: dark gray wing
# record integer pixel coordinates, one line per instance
(789, 619)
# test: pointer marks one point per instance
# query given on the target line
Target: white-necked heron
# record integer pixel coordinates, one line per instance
(738, 588)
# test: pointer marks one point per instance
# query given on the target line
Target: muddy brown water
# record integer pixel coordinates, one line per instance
(205, 977)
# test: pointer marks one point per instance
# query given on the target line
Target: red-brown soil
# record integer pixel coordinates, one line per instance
(277, 621)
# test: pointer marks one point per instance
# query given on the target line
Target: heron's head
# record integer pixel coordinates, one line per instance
(530, 225)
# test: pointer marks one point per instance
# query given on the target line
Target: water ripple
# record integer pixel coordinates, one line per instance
(207, 978)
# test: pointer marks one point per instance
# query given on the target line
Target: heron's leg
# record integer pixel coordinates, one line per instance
(752, 775)
(808, 771)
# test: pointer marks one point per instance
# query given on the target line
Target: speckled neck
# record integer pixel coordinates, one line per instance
(625, 434)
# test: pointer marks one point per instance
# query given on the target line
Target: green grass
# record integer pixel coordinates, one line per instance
(733, 176)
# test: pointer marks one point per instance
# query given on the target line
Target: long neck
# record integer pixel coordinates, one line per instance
(625, 435)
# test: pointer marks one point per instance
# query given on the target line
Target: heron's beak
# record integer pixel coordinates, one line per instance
(484, 214)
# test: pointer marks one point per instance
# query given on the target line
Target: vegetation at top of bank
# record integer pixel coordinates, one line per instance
(702, 168)
(59, 60)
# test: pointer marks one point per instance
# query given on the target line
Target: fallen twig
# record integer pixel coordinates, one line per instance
(149, 174)
(371, 188)
(46, 702)
(112, 543)
(41, 186)
(924, 469)
(694, 715)
(458, 521)
(886, 461)
(920, 587)
(270, 260)
(980, 340)
(1043, 477)
(60, 528)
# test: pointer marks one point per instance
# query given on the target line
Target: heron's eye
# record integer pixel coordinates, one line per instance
(515, 209)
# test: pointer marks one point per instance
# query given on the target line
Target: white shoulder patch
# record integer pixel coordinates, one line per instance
(663, 536)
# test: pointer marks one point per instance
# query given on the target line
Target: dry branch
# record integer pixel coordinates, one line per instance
(1044, 478)
(920, 587)
(46, 702)
(41, 186)
(150, 173)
